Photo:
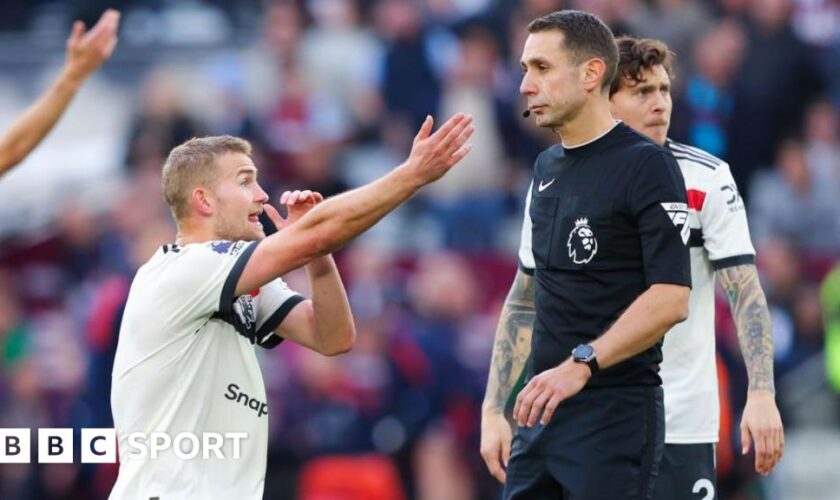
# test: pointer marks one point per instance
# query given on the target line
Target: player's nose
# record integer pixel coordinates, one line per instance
(260, 196)
(659, 104)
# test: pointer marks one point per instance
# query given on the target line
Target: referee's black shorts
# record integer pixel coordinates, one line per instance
(602, 444)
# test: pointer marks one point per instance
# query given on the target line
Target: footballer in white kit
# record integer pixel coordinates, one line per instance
(720, 248)
(186, 363)
(187, 396)
(719, 239)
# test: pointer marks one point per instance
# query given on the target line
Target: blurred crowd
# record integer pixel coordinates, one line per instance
(330, 93)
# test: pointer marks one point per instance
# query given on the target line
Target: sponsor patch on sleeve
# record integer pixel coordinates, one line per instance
(678, 213)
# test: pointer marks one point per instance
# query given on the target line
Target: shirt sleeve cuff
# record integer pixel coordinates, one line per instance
(226, 300)
(668, 280)
(737, 260)
(527, 270)
(265, 335)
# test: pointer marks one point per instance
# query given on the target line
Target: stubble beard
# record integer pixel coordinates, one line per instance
(229, 230)
(560, 117)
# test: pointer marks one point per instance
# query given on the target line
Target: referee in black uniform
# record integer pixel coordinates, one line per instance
(612, 275)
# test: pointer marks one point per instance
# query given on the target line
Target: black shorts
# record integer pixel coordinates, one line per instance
(602, 444)
(687, 471)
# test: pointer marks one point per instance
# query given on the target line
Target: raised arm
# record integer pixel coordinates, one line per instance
(324, 323)
(760, 422)
(511, 348)
(331, 224)
(85, 53)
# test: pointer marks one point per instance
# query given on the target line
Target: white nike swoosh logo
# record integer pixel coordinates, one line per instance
(542, 187)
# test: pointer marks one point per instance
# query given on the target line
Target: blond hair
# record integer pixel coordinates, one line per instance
(193, 164)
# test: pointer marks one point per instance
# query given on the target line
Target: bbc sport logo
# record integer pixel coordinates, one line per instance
(100, 445)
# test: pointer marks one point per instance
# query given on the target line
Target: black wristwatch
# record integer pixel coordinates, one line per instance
(584, 353)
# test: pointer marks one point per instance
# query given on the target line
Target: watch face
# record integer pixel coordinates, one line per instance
(583, 352)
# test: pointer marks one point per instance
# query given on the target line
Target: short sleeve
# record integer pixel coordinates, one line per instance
(526, 252)
(274, 302)
(723, 219)
(204, 275)
(657, 201)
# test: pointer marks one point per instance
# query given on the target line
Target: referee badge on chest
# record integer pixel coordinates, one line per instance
(582, 243)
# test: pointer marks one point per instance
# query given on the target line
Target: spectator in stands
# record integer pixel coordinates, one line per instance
(469, 205)
(414, 59)
(705, 99)
(161, 122)
(676, 22)
(822, 139)
(796, 202)
(777, 81)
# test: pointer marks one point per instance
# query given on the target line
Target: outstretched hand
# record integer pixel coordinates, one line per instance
(297, 203)
(433, 154)
(86, 51)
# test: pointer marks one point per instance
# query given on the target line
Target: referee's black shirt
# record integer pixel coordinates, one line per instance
(609, 220)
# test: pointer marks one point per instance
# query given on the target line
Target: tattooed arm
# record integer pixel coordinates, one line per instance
(512, 344)
(752, 319)
(760, 422)
(510, 352)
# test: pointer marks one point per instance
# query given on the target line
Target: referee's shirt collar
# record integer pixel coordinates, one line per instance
(585, 146)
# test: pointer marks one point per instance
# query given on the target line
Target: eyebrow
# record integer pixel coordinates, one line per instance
(644, 85)
(246, 170)
(533, 62)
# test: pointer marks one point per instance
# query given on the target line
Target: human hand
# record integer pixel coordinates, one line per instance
(86, 51)
(761, 424)
(496, 438)
(297, 203)
(547, 390)
(434, 154)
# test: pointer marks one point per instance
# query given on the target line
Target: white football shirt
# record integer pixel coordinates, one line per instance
(186, 363)
(720, 238)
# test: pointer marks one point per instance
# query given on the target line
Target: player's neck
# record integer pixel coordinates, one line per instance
(192, 233)
(592, 122)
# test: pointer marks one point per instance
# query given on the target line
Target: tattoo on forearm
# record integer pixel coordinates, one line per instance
(512, 342)
(752, 319)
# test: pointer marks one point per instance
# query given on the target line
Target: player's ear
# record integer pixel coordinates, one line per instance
(592, 74)
(202, 201)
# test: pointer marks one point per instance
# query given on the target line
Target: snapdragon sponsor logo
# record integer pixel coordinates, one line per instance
(100, 445)
(235, 394)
